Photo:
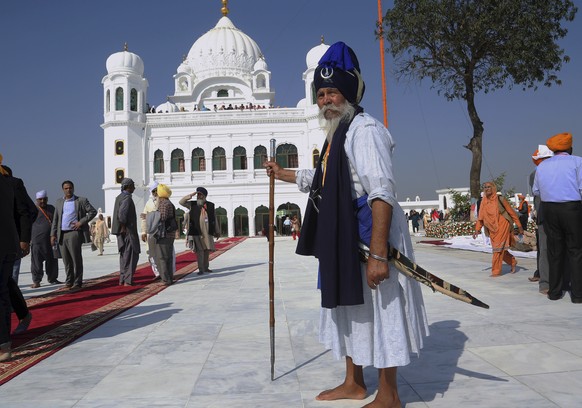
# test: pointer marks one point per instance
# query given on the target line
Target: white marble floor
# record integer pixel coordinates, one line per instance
(204, 342)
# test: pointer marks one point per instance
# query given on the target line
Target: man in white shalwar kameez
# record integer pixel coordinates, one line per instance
(371, 315)
(151, 205)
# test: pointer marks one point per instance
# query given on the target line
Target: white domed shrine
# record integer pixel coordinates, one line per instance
(213, 131)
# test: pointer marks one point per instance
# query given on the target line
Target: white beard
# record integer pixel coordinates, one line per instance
(329, 126)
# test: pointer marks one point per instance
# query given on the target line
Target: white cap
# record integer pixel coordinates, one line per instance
(41, 194)
(153, 185)
(543, 152)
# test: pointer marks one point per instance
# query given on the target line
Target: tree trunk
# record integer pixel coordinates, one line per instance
(475, 146)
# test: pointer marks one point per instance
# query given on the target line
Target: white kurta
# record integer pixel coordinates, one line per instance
(392, 321)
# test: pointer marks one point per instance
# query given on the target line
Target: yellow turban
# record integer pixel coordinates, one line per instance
(560, 142)
(164, 191)
(2, 171)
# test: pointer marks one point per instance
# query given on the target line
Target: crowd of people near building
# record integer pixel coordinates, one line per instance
(51, 232)
(216, 108)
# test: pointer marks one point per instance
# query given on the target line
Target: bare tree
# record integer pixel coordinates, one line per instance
(467, 46)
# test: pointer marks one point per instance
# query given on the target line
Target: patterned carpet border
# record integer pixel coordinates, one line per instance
(44, 345)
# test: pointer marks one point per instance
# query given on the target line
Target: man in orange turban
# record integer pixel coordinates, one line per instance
(560, 142)
(558, 183)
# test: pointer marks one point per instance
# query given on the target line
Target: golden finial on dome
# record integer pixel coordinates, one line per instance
(184, 57)
(322, 40)
(224, 8)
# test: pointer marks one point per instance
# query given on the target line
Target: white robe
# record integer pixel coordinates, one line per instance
(392, 322)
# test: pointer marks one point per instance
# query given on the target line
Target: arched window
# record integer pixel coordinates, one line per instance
(315, 157)
(287, 156)
(108, 101)
(313, 94)
(119, 175)
(222, 93)
(218, 159)
(133, 100)
(261, 82)
(177, 162)
(119, 99)
(239, 158)
(158, 161)
(198, 161)
(119, 147)
(260, 156)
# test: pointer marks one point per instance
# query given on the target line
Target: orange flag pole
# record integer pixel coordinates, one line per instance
(381, 37)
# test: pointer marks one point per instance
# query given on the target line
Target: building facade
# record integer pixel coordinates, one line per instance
(214, 131)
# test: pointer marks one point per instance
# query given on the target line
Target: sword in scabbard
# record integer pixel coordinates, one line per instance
(416, 272)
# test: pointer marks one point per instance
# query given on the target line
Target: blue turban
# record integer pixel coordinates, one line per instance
(339, 68)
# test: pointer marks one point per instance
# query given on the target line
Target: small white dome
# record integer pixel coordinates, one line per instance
(184, 68)
(223, 47)
(315, 54)
(261, 65)
(166, 107)
(124, 61)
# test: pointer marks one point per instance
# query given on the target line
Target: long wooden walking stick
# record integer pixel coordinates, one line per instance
(272, 259)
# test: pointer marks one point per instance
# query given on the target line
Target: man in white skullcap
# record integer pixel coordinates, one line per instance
(151, 205)
(541, 274)
(40, 243)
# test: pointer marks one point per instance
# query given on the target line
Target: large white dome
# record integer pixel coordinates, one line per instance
(223, 47)
(314, 55)
(124, 62)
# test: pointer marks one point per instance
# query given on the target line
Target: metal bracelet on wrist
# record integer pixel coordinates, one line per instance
(378, 258)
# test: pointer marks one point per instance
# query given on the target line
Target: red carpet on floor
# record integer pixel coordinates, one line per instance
(435, 242)
(62, 316)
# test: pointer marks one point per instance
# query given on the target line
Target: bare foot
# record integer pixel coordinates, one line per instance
(495, 276)
(379, 404)
(513, 267)
(343, 391)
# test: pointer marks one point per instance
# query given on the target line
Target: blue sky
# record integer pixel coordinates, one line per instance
(53, 60)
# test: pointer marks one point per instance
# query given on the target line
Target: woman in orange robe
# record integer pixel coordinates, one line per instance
(499, 229)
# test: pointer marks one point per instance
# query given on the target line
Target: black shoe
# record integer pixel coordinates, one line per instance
(200, 273)
(56, 282)
(209, 270)
(576, 300)
(23, 325)
(554, 297)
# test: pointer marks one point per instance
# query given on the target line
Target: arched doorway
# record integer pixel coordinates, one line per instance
(241, 222)
(284, 211)
(222, 221)
(261, 220)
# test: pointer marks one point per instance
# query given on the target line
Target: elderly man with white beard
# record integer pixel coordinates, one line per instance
(371, 315)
